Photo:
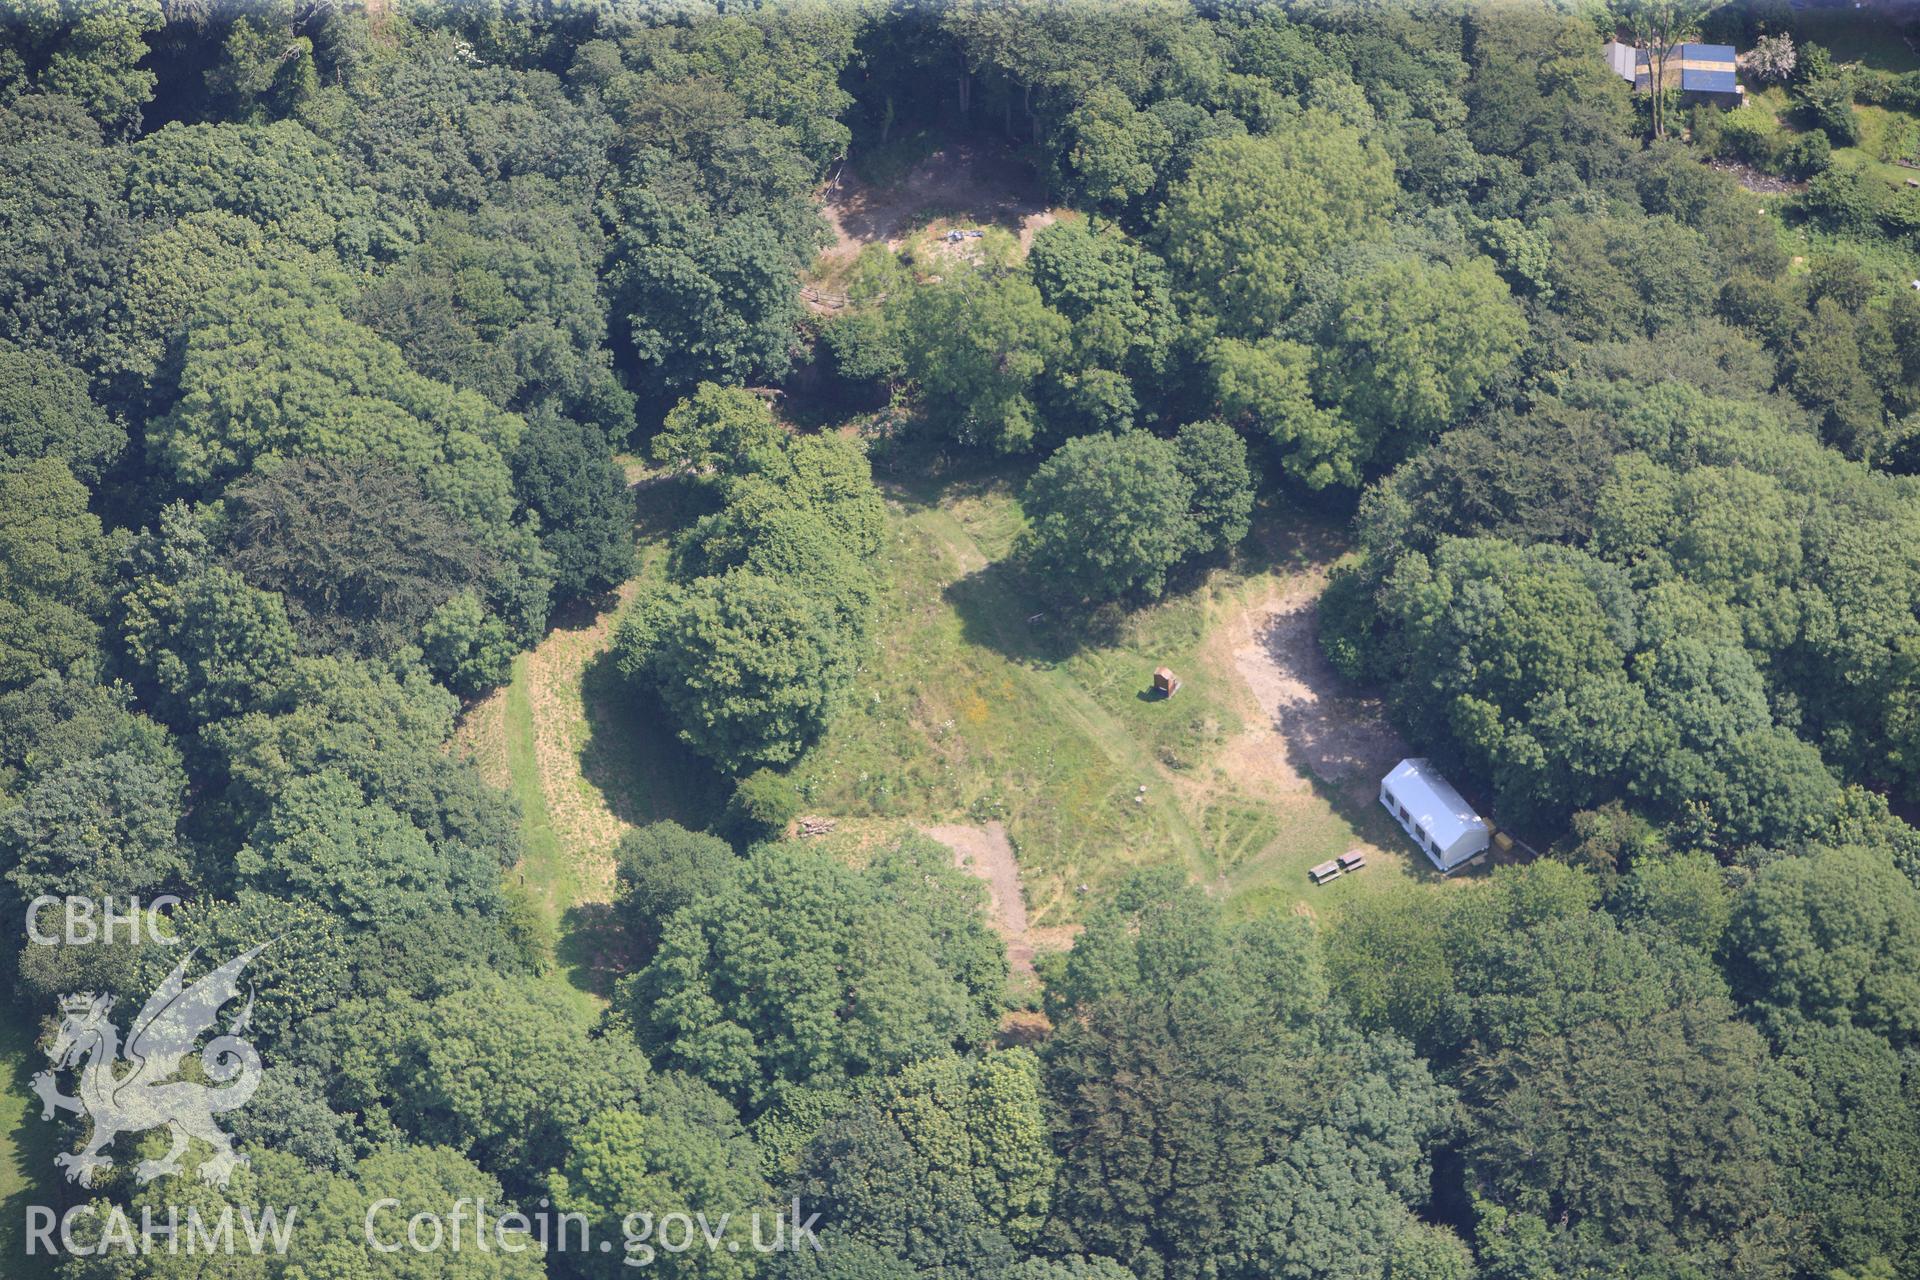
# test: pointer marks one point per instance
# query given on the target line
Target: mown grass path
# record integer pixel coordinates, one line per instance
(586, 760)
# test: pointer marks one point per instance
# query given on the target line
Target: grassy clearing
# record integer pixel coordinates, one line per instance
(1864, 36)
(944, 728)
(983, 701)
(585, 762)
(27, 1147)
(548, 878)
(932, 254)
(911, 191)
(1886, 137)
(922, 244)
(1883, 134)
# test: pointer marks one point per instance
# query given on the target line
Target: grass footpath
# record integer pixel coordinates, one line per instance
(546, 876)
(586, 761)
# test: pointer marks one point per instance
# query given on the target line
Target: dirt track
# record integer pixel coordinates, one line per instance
(1326, 730)
(986, 852)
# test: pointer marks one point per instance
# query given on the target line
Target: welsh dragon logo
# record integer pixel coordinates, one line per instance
(139, 1092)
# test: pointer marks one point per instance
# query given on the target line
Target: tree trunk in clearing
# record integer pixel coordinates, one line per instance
(1660, 94)
(1656, 87)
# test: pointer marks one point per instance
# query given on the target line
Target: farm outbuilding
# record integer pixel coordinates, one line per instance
(1443, 824)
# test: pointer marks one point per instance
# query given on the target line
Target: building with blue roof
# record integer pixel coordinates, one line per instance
(1701, 72)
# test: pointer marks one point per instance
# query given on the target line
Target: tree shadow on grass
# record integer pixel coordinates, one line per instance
(29, 1154)
(664, 504)
(1284, 541)
(1007, 608)
(576, 614)
(635, 759)
(919, 468)
(593, 948)
(1003, 609)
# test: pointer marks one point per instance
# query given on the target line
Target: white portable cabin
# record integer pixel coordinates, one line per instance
(1444, 826)
(1623, 58)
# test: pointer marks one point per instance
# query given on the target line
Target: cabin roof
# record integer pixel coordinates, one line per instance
(1431, 802)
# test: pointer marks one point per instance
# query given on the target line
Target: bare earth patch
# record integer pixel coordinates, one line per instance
(1314, 739)
(963, 180)
(1756, 181)
(1325, 730)
(986, 852)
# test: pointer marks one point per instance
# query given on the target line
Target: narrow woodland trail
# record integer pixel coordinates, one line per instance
(583, 816)
(586, 764)
(530, 737)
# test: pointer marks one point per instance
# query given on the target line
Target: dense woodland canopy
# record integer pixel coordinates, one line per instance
(323, 326)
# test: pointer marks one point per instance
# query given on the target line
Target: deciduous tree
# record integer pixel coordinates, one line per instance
(52, 570)
(1253, 213)
(1833, 937)
(749, 666)
(45, 413)
(801, 971)
(976, 345)
(1112, 515)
